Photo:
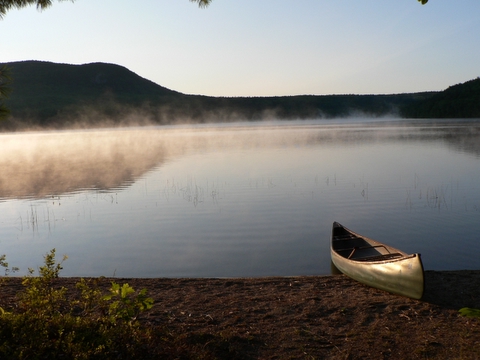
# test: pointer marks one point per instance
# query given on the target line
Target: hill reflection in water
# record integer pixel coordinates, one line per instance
(36, 165)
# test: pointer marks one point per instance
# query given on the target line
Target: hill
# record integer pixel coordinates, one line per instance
(458, 101)
(45, 93)
(55, 95)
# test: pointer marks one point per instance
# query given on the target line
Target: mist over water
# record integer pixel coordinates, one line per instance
(238, 199)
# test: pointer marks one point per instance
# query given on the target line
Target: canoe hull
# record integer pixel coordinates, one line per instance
(403, 275)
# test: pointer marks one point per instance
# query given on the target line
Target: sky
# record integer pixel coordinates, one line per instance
(260, 48)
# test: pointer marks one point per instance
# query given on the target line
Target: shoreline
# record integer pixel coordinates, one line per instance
(439, 284)
(331, 316)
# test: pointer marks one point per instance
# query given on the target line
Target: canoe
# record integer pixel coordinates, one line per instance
(375, 264)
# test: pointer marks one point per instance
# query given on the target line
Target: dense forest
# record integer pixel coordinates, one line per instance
(458, 101)
(54, 95)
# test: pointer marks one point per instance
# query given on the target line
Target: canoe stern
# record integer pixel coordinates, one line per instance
(404, 277)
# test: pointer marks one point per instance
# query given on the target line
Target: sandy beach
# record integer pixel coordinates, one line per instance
(312, 317)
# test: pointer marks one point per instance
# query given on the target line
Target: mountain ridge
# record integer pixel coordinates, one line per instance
(54, 95)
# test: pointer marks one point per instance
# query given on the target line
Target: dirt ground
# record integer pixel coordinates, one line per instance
(315, 317)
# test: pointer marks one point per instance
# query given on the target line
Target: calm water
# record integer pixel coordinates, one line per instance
(241, 199)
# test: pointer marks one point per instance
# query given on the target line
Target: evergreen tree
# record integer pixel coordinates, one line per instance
(6, 5)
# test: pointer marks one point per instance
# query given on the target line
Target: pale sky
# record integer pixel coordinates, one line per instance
(260, 48)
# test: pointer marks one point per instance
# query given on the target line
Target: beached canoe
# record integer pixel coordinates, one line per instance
(375, 264)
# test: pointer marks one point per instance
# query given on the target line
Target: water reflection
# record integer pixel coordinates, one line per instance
(465, 140)
(37, 165)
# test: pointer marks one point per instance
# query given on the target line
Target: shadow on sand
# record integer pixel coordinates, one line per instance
(453, 289)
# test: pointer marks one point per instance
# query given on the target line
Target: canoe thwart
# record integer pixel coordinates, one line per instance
(355, 248)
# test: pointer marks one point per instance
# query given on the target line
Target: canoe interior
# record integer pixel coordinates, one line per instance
(355, 247)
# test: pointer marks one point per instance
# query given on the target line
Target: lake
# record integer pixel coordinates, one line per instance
(239, 200)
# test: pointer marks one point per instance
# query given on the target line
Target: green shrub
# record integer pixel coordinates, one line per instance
(469, 312)
(47, 324)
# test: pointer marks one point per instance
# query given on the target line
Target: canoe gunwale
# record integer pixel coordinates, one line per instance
(366, 261)
(375, 262)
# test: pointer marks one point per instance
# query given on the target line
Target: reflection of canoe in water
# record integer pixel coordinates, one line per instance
(376, 264)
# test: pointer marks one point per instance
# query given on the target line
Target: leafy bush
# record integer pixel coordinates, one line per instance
(469, 312)
(46, 324)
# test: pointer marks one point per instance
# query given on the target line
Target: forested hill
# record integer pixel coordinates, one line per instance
(57, 95)
(458, 101)
(45, 93)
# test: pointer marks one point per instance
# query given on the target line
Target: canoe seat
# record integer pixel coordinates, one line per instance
(379, 257)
